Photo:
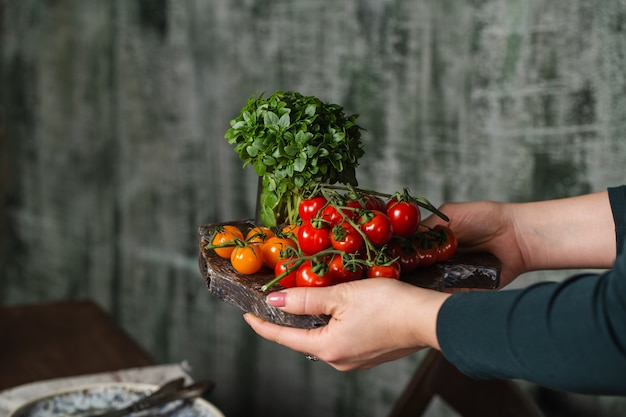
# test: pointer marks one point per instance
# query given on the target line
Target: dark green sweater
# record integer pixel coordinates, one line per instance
(568, 336)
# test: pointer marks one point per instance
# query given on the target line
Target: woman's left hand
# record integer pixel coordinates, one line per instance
(373, 321)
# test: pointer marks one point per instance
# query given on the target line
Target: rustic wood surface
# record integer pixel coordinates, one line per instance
(245, 291)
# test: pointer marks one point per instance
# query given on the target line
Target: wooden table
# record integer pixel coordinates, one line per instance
(61, 339)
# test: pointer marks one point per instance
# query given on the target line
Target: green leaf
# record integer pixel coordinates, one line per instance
(267, 216)
(252, 151)
(302, 138)
(310, 110)
(270, 119)
(284, 121)
(260, 144)
(237, 124)
(299, 164)
(291, 150)
(269, 199)
(259, 168)
(269, 160)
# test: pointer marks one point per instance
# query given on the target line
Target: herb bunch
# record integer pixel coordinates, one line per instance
(295, 142)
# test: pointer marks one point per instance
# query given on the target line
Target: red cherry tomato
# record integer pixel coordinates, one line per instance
(427, 249)
(282, 265)
(352, 209)
(346, 238)
(313, 239)
(446, 242)
(406, 252)
(331, 216)
(308, 276)
(376, 226)
(384, 271)
(310, 207)
(373, 203)
(340, 272)
(405, 217)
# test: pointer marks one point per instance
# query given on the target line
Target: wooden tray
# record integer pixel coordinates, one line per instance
(244, 291)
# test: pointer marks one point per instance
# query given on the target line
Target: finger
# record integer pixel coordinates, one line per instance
(433, 220)
(311, 301)
(291, 337)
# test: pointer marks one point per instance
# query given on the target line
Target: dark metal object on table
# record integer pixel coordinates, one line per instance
(244, 291)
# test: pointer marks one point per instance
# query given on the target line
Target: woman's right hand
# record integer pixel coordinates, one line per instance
(485, 227)
(568, 233)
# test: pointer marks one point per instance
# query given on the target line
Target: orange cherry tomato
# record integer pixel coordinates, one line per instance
(247, 259)
(275, 248)
(259, 235)
(225, 235)
(291, 231)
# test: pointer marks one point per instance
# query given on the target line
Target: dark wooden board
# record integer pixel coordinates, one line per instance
(244, 291)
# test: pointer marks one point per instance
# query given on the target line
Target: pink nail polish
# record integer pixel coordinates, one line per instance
(277, 299)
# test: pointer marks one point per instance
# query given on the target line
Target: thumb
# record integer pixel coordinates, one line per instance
(303, 300)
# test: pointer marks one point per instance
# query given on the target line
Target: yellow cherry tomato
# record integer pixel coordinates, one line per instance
(291, 231)
(227, 234)
(247, 259)
(259, 234)
(274, 247)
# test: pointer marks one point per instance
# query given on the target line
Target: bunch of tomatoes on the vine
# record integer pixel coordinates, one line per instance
(340, 237)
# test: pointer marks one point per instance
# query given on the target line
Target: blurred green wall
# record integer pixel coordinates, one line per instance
(112, 150)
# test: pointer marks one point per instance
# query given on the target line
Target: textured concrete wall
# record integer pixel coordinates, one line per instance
(113, 116)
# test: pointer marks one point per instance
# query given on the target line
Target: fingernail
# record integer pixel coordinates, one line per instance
(277, 299)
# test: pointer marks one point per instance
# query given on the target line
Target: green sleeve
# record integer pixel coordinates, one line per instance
(568, 336)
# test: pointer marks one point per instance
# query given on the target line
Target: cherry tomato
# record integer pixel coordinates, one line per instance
(376, 226)
(340, 272)
(291, 231)
(384, 271)
(226, 234)
(313, 239)
(405, 217)
(405, 251)
(333, 217)
(282, 265)
(259, 234)
(446, 242)
(373, 203)
(346, 238)
(310, 207)
(247, 259)
(274, 248)
(352, 209)
(309, 276)
(427, 249)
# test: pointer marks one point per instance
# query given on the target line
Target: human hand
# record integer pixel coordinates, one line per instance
(372, 321)
(485, 227)
(574, 232)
